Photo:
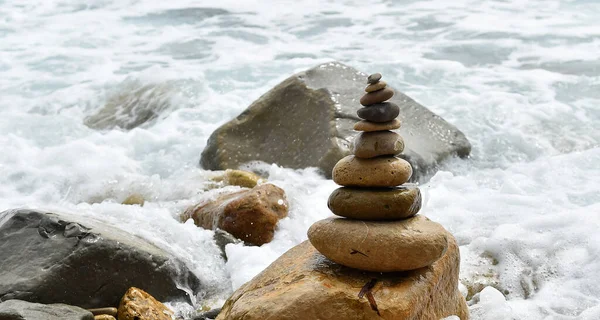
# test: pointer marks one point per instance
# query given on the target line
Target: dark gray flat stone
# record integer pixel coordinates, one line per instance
(23, 310)
(62, 258)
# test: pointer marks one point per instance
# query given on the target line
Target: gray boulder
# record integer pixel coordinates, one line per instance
(61, 258)
(307, 121)
(22, 310)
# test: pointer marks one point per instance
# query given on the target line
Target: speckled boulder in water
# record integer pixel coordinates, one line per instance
(64, 258)
(22, 310)
(302, 284)
(307, 121)
(249, 215)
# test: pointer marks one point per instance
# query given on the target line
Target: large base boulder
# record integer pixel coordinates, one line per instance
(61, 258)
(23, 310)
(249, 215)
(307, 121)
(303, 284)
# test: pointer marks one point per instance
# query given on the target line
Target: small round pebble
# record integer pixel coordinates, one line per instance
(374, 78)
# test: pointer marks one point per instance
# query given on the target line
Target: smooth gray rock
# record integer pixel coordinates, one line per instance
(307, 121)
(62, 258)
(22, 310)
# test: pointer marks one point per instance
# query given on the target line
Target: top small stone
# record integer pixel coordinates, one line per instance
(374, 78)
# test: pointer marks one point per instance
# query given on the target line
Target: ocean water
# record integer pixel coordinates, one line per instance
(520, 78)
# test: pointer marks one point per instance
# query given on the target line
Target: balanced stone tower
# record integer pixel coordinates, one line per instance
(378, 259)
(378, 228)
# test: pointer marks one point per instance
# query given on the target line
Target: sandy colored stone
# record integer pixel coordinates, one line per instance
(100, 311)
(368, 126)
(379, 143)
(375, 203)
(137, 304)
(239, 178)
(377, 97)
(385, 246)
(302, 284)
(104, 317)
(376, 86)
(249, 215)
(134, 199)
(375, 172)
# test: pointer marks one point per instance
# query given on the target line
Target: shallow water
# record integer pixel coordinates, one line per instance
(520, 78)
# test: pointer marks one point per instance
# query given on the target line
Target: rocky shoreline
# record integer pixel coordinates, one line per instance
(57, 265)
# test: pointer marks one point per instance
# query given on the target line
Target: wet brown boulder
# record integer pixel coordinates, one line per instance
(303, 284)
(249, 215)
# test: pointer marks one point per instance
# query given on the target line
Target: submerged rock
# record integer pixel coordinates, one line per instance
(303, 284)
(134, 199)
(249, 215)
(307, 121)
(137, 304)
(222, 239)
(23, 310)
(132, 106)
(56, 257)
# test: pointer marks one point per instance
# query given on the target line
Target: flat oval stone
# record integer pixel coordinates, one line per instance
(367, 126)
(379, 143)
(382, 246)
(375, 203)
(376, 86)
(380, 112)
(377, 96)
(384, 171)
(374, 78)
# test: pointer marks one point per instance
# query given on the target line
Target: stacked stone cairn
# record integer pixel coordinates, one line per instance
(378, 228)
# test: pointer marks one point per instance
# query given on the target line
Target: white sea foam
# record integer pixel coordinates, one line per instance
(520, 78)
